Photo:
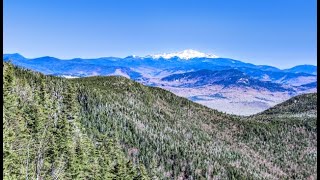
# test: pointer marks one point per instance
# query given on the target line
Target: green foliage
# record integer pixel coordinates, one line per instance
(114, 128)
(235, 174)
(305, 103)
(44, 137)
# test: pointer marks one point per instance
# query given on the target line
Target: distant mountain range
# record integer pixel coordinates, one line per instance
(310, 69)
(226, 78)
(192, 74)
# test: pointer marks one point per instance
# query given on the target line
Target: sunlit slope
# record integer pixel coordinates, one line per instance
(187, 139)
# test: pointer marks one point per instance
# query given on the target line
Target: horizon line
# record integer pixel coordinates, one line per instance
(93, 58)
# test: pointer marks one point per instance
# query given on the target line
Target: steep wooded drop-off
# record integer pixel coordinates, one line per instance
(99, 127)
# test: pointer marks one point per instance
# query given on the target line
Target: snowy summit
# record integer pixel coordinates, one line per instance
(186, 54)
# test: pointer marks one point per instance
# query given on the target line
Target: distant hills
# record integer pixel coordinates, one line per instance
(310, 69)
(226, 78)
(204, 75)
(210, 62)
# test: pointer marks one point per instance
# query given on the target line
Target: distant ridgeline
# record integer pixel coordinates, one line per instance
(193, 75)
(115, 128)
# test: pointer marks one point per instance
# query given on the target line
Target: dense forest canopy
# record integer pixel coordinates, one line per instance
(115, 128)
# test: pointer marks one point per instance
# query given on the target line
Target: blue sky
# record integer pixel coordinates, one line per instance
(281, 33)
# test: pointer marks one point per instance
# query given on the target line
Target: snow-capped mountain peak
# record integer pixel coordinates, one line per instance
(186, 54)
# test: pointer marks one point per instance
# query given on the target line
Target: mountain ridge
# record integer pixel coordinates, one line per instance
(278, 85)
(7, 56)
(185, 54)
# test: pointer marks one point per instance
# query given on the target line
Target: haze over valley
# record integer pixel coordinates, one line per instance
(225, 84)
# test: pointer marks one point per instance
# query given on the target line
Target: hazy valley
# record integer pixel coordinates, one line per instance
(224, 84)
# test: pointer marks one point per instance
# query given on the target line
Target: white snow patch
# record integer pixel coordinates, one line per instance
(186, 54)
(243, 80)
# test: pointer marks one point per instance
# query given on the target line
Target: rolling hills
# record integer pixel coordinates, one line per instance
(104, 127)
(226, 78)
(303, 68)
(268, 85)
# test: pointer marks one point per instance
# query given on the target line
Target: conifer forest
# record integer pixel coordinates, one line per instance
(115, 128)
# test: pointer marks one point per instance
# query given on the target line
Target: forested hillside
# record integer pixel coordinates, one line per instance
(44, 137)
(115, 128)
(299, 104)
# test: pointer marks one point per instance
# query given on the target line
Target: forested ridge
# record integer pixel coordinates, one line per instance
(44, 137)
(115, 128)
(305, 103)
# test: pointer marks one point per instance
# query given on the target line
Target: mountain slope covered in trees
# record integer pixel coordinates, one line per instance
(44, 138)
(298, 104)
(115, 128)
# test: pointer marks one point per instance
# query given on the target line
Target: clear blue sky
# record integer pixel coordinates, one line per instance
(281, 33)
